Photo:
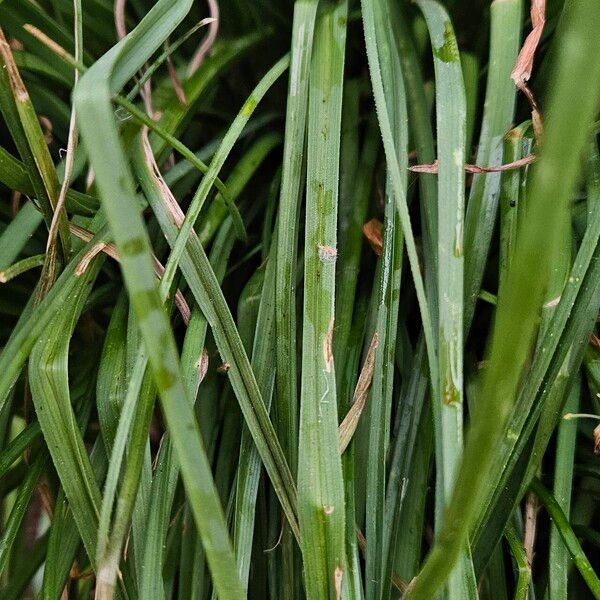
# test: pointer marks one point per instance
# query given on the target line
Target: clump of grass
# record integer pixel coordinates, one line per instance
(211, 385)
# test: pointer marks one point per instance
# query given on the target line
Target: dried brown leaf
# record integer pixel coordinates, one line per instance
(523, 68)
(517, 164)
(373, 231)
(350, 423)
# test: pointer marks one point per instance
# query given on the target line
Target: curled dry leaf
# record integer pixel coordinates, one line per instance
(84, 263)
(202, 369)
(523, 68)
(208, 41)
(597, 440)
(176, 82)
(517, 164)
(120, 18)
(373, 231)
(203, 365)
(524, 65)
(350, 423)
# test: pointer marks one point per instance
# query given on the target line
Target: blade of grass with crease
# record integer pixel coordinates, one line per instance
(387, 296)
(292, 186)
(451, 117)
(320, 483)
(291, 190)
(49, 382)
(565, 455)
(249, 464)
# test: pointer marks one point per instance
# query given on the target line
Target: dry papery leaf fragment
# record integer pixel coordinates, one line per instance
(475, 169)
(373, 231)
(523, 68)
(350, 423)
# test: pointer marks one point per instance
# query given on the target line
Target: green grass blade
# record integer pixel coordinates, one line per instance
(388, 293)
(320, 484)
(405, 459)
(357, 173)
(419, 118)
(17, 233)
(568, 536)
(558, 559)
(17, 514)
(469, 63)
(498, 112)
(111, 385)
(568, 355)
(13, 121)
(18, 446)
(292, 185)
(28, 330)
(522, 563)
(64, 541)
(31, 262)
(37, 144)
(50, 392)
(517, 143)
(24, 572)
(387, 297)
(236, 182)
(249, 464)
(13, 173)
(167, 471)
(134, 420)
(553, 352)
(451, 117)
(406, 551)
